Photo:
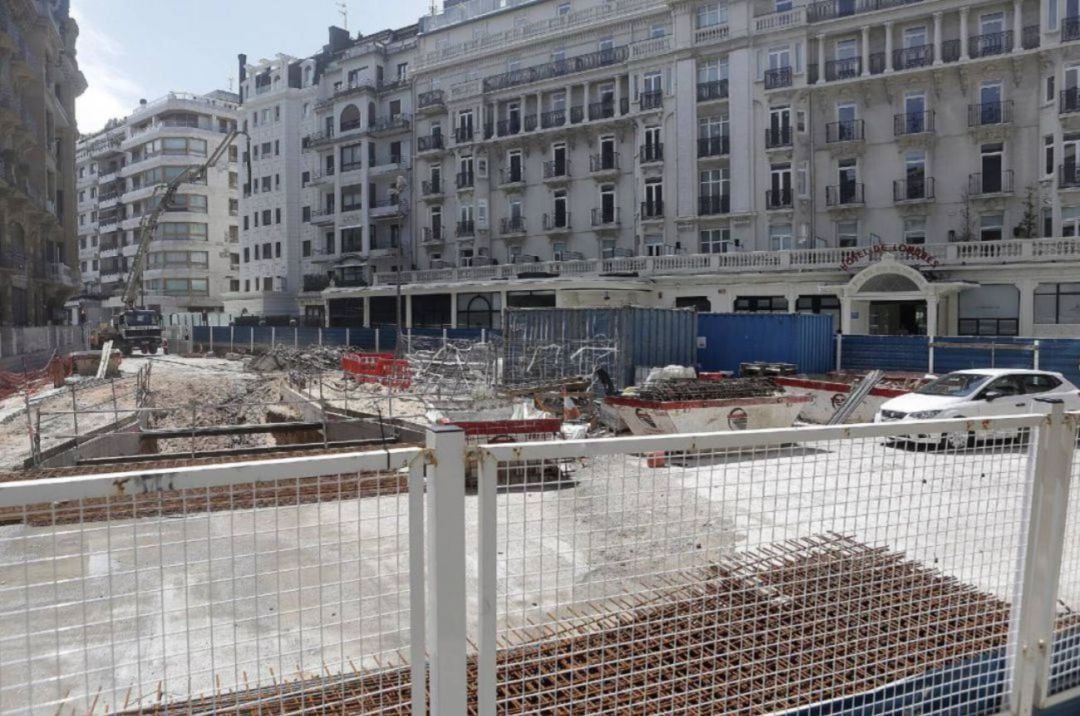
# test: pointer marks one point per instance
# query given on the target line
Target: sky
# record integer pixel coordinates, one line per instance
(142, 49)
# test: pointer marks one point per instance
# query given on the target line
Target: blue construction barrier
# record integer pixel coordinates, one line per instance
(912, 353)
(727, 340)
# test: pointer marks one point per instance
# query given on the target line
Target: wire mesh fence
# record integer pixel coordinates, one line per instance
(755, 576)
(260, 586)
(1065, 653)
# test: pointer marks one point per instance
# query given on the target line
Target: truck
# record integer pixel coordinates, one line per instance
(138, 326)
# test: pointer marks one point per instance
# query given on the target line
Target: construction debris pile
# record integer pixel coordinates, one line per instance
(707, 389)
(308, 359)
(755, 634)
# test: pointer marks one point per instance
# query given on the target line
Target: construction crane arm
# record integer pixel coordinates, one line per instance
(166, 193)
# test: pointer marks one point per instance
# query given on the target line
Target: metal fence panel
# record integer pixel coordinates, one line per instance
(899, 353)
(726, 340)
(276, 584)
(815, 571)
(1064, 672)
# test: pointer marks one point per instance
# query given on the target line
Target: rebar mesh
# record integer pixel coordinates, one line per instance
(208, 599)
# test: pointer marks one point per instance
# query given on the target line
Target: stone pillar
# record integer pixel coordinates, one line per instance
(408, 309)
(932, 315)
(937, 38)
(865, 50)
(1027, 307)
(792, 296)
(453, 309)
(1018, 26)
(845, 313)
(820, 59)
(964, 34)
(888, 47)
(367, 311)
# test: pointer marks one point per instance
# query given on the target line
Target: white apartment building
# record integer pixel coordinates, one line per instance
(329, 199)
(193, 259)
(908, 167)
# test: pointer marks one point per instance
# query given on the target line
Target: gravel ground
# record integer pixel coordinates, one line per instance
(615, 531)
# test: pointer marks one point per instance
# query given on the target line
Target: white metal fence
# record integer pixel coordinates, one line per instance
(35, 339)
(754, 572)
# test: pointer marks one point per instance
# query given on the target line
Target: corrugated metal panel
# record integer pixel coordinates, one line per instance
(899, 353)
(642, 336)
(728, 339)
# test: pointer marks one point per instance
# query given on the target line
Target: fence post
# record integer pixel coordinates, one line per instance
(210, 330)
(487, 590)
(930, 356)
(296, 337)
(348, 341)
(839, 351)
(417, 601)
(320, 335)
(376, 339)
(444, 338)
(1031, 633)
(251, 339)
(232, 341)
(446, 582)
(1035, 357)
(273, 336)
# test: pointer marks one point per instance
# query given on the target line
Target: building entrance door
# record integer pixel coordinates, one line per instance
(898, 318)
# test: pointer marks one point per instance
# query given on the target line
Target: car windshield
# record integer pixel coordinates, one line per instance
(140, 318)
(957, 385)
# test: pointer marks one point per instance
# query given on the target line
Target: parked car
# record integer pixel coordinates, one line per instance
(976, 394)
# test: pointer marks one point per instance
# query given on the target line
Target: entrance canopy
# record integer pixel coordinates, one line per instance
(888, 280)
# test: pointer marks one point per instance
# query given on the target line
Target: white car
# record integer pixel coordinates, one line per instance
(976, 394)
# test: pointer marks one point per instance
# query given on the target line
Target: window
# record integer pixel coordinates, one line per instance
(247, 284)
(654, 198)
(710, 15)
(1057, 303)
(256, 252)
(1050, 88)
(847, 234)
(915, 230)
(605, 43)
(305, 213)
(563, 9)
(780, 237)
(990, 227)
(305, 248)
(402, 71)
(558, 250)
(915, 36)
(277, 215)
(352, 197)
(761, 304)
(1051, 14)
(330, 243)
(266, 183)
(267, 217)
(1048, 154)
(715, 241)
(247, 255)
(266, 250)
(992, 23)
(1070, 221)
(657, 31)
(246, 226)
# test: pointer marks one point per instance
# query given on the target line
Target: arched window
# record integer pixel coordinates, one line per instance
(477, 313)
(350, 118)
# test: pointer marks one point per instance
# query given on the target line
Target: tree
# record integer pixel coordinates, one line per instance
(967, 217)
(1028, 228)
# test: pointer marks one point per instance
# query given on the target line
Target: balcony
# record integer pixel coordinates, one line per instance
(605, 218)
(950, 50)
(601, 110)
(466, 229)
(778, 199)
(908, 58)
(713, 146)
(431, 188)
(1031, 38)
(832, 9)
(508, 127)
(603, 164)
(433, 234)
(846, 194)
(324, 216)
(511, 225)
(845, 69)
(390, 125)
(553, 118)
(714, 205)
(577, 115)
(652, 210)
(908, 123)
(990, 44)
(778, 78)
(1070, 29)
(982, 184)
(316, 139)
(465, 180)
(556, 171)
(531, 122)
(777, 137)
(1069, 100)
(711, 91)
(652, 153)
(989, 114)
(556, 68)
(386, 209)
(512, 178)
(463, 135)
(913, 189)
(557, 223)
(430, 143)
(432, 102)
(653, 99)
(850, 130)
(1069, 175)
(384, 246)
